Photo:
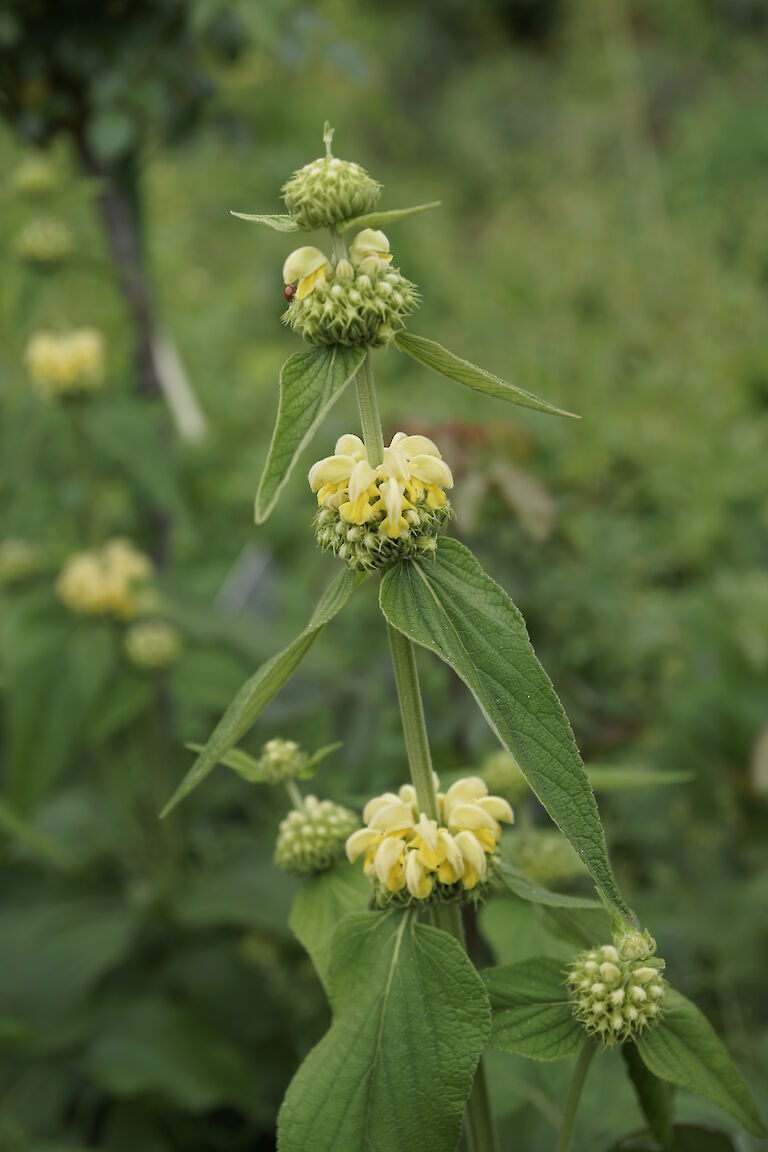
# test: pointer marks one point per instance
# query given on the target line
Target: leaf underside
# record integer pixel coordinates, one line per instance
(685, 1050)
(433, 355)
(263, 686)
(379, 219)
(279, 223)
(410, 1019)
(310, 383)
(451, 606)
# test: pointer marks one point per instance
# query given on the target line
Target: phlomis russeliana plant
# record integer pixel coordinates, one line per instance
(379, 908)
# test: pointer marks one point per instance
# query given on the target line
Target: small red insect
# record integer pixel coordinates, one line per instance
(289, 292)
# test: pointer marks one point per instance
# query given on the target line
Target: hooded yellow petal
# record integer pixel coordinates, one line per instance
(392, 817)
(361, 479)
(431, 470)
(369, 242)
(415, 445)
(392, 494)
(331, 470)
(351, 445)
(303, 262)
(307, 284)
(497, 807)
(466, 790)
(395, 466)
(418, 881)
(388, 856)
(360, 841)
(471, 816)
(474, 857)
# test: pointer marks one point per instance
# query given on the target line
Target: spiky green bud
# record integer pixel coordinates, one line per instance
(282, 760)
(354, 307)
(328, 191)
(312, 838)
(614, 998)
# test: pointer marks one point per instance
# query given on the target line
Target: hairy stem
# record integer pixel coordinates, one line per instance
(574, 1095)
(414, 727)
(369, 413)
(294, 794)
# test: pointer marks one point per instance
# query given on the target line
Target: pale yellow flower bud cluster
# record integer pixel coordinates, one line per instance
(105, 581)
(410, 857)
(66, 365)
(152, 644)
(370, 517)
(282, 760)
(311, 838)
(616, 999)
(34, 176)
(45, 240)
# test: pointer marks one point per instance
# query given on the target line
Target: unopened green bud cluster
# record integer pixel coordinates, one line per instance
(312, 838)
(354, 307)
(281, 760)
(616, 998)
(152, 645)
(45, 240)
(19, 560)
(328, 191)
(366, 549)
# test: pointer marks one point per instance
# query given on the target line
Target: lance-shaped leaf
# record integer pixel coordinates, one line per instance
(310, 382)
(532, 1014)
(319, 906)
(257, 692)
(439, 359)
(655, 1096)
(279, 223)
(451, 606)
(684, 1049)
(251, 769)
(516, 881)
(410, 1019)
(381, 219)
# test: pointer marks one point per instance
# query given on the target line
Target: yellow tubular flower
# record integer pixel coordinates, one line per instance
(413, 856)
(369, 252)
(307, 266)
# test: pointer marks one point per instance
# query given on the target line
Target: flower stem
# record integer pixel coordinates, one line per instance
(574, 1095)
(414, 727)
(369, 413)
(293, 791)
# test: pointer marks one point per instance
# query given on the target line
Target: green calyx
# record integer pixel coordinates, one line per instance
(614, 998)
(354, 307)
(364, 548)
(312, 838)
(328, 191)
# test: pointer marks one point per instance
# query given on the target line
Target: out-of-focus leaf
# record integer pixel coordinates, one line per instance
(607, 778)
(257, 692)
(153, 1047)
(242, 888)
(22, 830)
(683, 1138)
(439, 359)
(310, 384)
(518, 883)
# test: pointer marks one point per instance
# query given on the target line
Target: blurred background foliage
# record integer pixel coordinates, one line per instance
(603, 242)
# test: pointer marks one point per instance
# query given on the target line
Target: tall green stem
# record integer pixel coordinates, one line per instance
(369, 413)
(479, 1120)
(574, 1095)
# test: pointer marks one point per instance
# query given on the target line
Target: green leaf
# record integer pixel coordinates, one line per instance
(684, 1049)
(311, 766)
(609, 778)
(380, 219)
(263, 686)
(517, 882)
(439, 359)
(319, 905)
(410, 1019)
(453, 608)
(683, 1138)
(655, 1096)
(310, 383)
(585, 927)
(531, 1012)
(280, 223)
(19, 828)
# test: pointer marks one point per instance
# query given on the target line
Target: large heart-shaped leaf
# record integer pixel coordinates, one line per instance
(410, 1019)
(684, 1049)
(532, 1015)
(451, 606)
(310, 382)
(439, 359)
(263, 686)
(320, 904)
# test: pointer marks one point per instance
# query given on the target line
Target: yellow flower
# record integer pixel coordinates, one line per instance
(66, 364)
(103, 582)
(412, 473)
(307, 266)
(405, 849)
(369, 252)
